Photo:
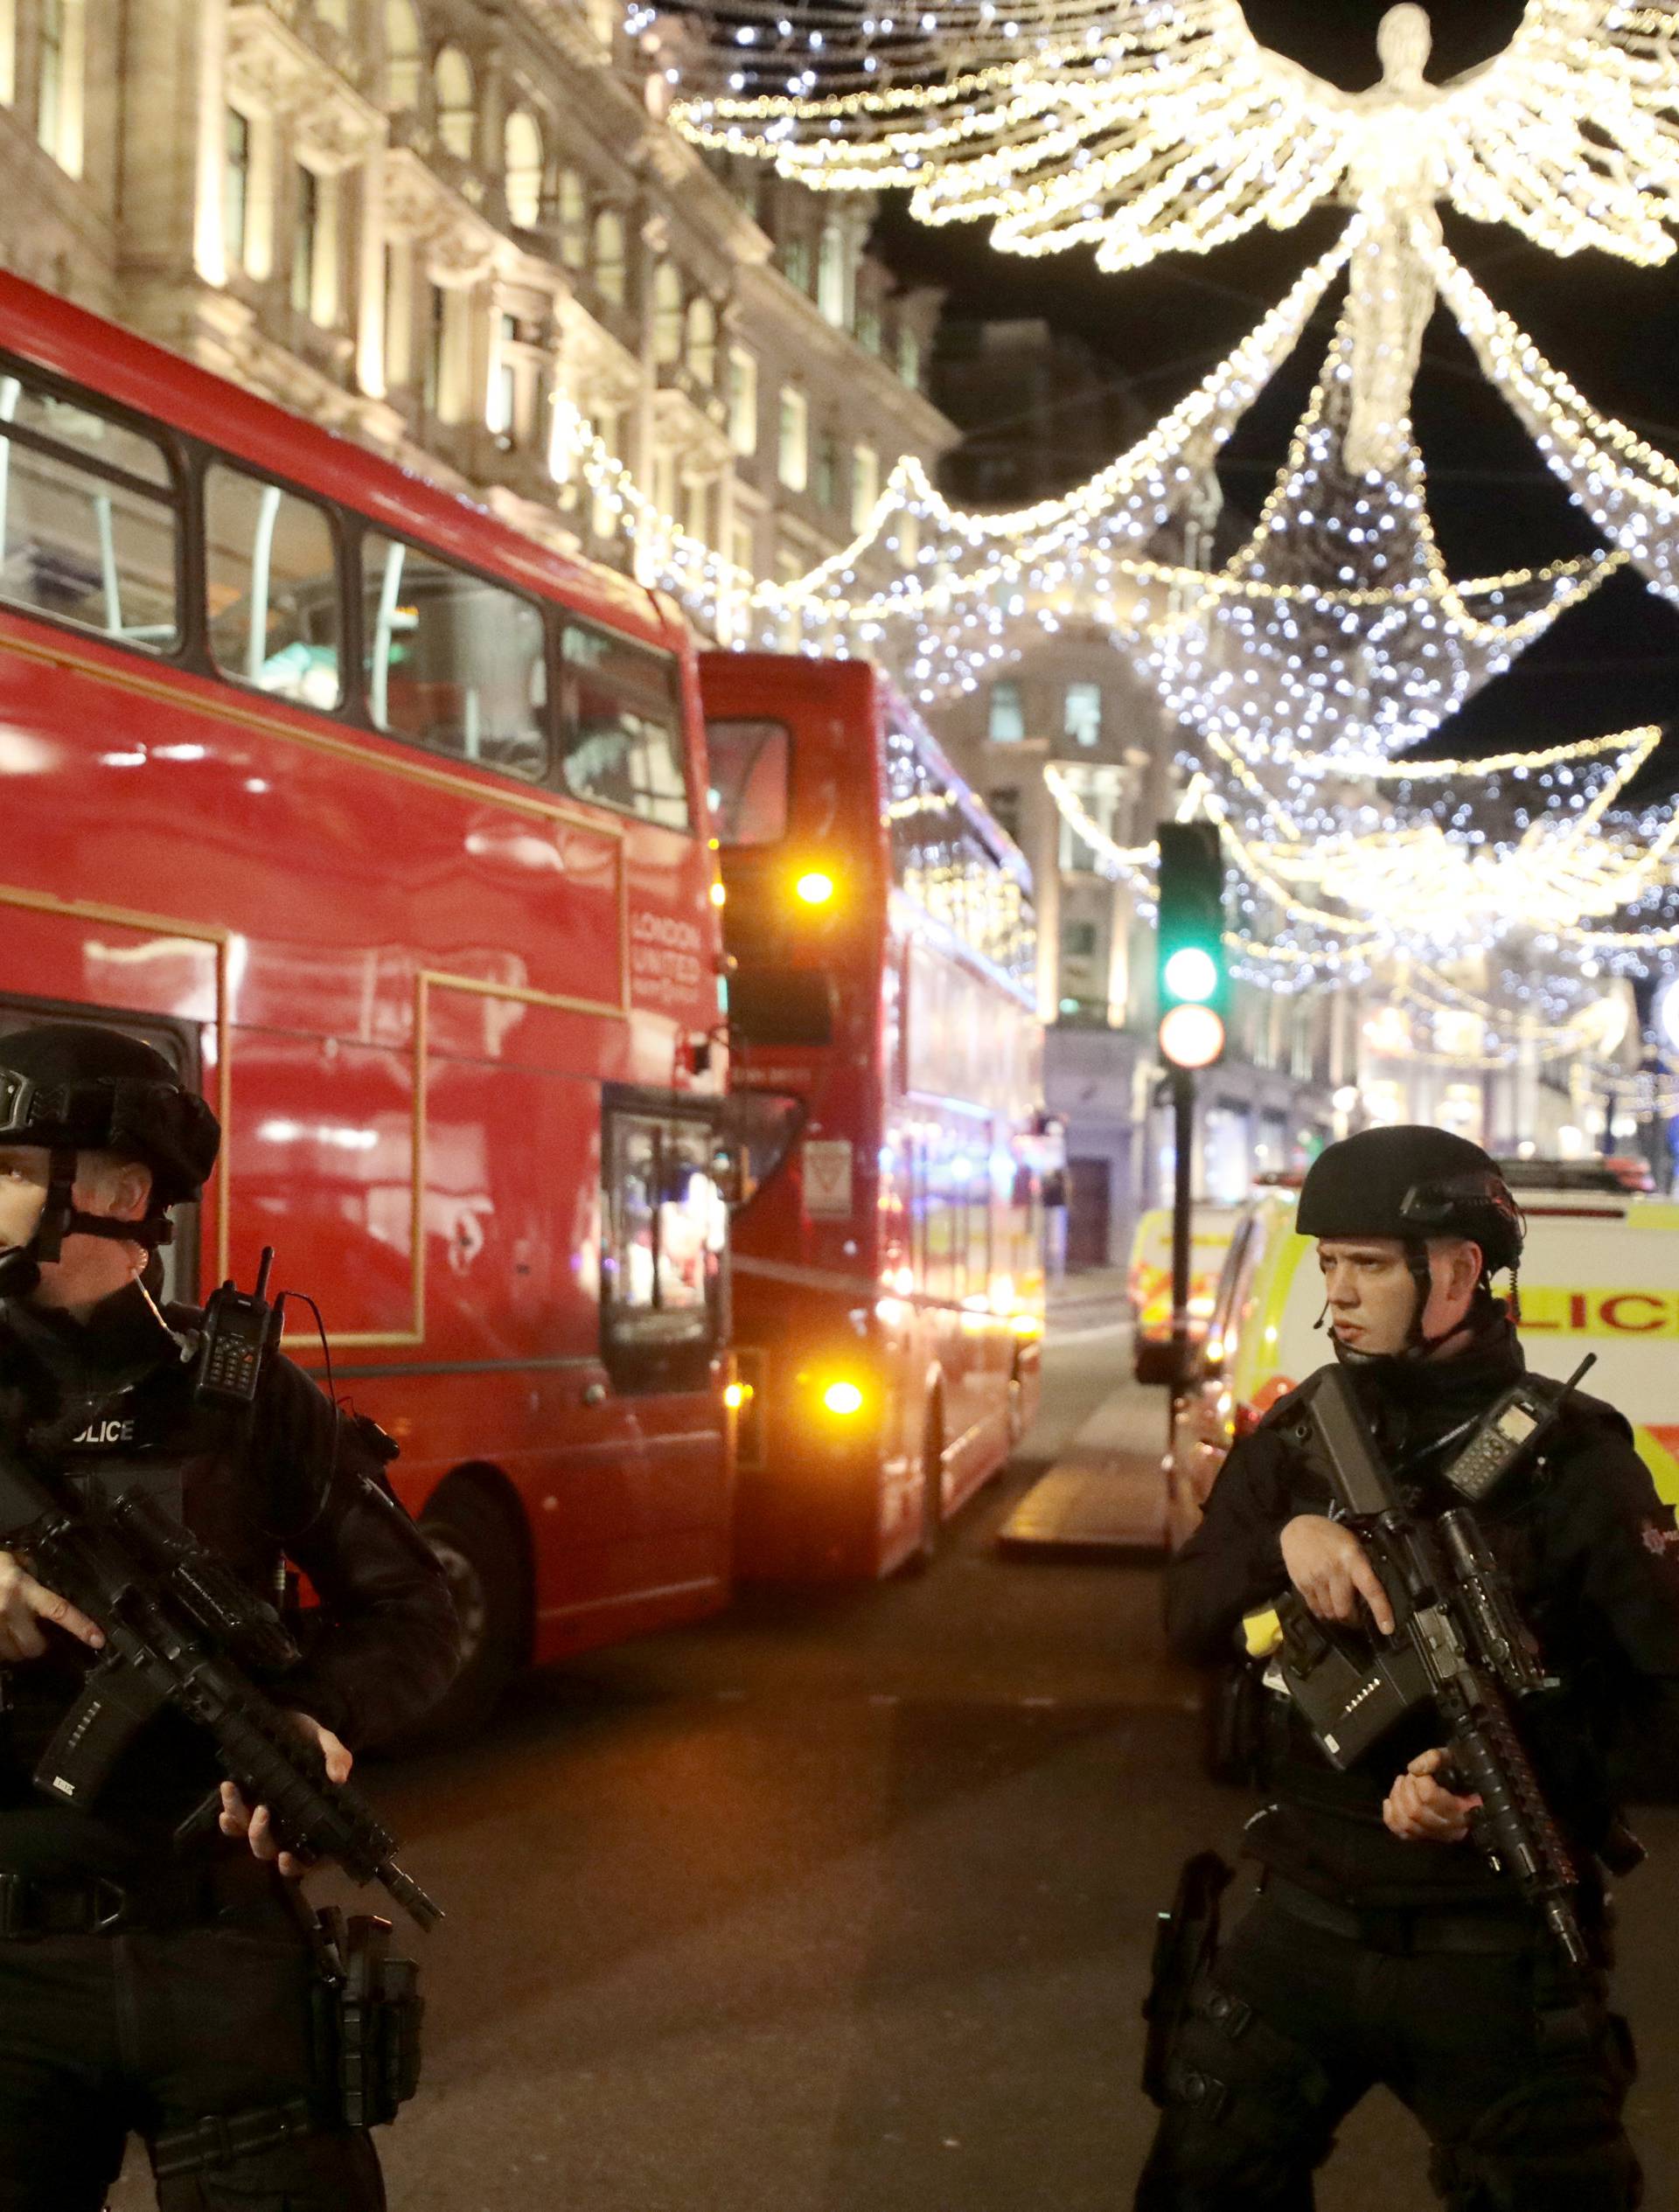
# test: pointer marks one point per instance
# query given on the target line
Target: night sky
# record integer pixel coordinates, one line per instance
(1610, 326)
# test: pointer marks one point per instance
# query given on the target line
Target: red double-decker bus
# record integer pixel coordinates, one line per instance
(889, 1275)
(388, 825)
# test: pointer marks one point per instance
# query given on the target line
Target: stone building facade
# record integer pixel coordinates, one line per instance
(423, 222)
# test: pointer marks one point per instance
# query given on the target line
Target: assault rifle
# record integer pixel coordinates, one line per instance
(180, 1630)
(1458, 1643)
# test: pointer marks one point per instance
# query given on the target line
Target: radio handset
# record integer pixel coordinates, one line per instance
(240, 1328)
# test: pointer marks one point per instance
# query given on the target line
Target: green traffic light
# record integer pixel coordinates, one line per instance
(1191, 973)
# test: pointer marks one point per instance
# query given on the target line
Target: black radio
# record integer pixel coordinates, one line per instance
(1510, 1433)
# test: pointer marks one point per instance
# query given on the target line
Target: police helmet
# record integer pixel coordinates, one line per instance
(75, 1087)
(1411, 1182)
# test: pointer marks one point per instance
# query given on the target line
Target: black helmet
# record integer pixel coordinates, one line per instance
(72, 1087)
(1411, 1182)
(75, 1087)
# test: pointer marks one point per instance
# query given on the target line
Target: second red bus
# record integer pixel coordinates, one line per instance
(888, 1276)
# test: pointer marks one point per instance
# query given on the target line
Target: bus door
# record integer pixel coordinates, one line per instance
(665, 1327)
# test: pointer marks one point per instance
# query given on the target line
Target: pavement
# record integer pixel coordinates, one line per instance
(1105, 1489)
(1094, 1297)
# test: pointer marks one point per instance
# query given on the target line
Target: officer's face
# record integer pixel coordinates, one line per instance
(1372, 1294)
(23, 1192)
(88, 1269)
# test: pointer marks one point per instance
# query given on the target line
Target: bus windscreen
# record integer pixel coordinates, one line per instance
(750, 765)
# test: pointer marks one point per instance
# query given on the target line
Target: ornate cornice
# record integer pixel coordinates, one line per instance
(276, 72)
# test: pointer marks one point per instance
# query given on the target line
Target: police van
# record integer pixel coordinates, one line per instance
(1149, 1284)
(1600, 1273)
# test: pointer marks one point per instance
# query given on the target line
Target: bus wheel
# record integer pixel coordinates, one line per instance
(477, 1550)
(932, 1494)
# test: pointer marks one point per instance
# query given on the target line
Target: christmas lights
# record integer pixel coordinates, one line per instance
(1140, 128)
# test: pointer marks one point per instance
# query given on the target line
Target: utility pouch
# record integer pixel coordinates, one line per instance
(367, 2015)
(1186, 1943)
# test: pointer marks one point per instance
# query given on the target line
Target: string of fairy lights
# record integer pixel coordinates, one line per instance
(1334, 638)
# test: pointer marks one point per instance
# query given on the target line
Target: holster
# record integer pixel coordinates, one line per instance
(1186, 1941)
(366, 2020)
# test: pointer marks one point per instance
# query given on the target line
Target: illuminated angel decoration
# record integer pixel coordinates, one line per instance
(1147, 127)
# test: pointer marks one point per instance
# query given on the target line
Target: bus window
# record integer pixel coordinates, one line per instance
(623, 726)
(750, 764)
(667, 1225)
(272, 584)
(452, 662)
(90, 522)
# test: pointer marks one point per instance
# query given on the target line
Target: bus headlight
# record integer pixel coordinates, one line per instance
(736, 1396)
(843, 1398)
(815, 887)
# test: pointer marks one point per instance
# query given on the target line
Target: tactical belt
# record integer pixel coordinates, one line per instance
(32, 1906)
(224, 2138)
(1489, 1930)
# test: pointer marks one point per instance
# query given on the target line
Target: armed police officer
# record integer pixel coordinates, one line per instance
(1384, 1946)
(149, 1982)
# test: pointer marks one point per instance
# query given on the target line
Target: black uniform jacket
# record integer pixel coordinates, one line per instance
(1593, 1559)
(111, 1403)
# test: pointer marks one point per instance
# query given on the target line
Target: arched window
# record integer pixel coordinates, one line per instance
(609, 255)
(574, 219)
(451, 78)
(524, 159)
(401, 56)
(702, 340)
(667, 315)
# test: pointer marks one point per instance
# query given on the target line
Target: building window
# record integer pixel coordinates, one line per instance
(7, 52)
(742, 400)
(744, 545)
(865, 484)
(827, 470)
(524, 158)
(608, 256)
(451, 79)
(702, 341)
(1005, 723)
(603, 18)
(236, 186)
(831, 286)
(667, 316)
(431, 384)
(1082, 714)
(398, 311)
(501, 410)
(61, 72)
(1004, 803)
(305, 240)
(696, 510)
(402, 67)
(868, 328)
(574, 219)
(795, 258)
(793, 444)
(910, 356)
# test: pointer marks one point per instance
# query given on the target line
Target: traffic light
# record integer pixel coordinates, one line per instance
(1190, 969)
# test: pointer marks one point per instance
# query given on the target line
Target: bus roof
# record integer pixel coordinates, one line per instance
(846, 676)
(74, 343)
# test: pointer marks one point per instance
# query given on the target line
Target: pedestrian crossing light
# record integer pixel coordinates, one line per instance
(1190, 971)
